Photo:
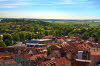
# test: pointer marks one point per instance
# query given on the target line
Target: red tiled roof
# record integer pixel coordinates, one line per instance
(74, 47)
(10, 61)
(34, 57)
(2, 55)
(95, 51)
(55, 47)
(60, 40)
(58, 61)
(48, 37)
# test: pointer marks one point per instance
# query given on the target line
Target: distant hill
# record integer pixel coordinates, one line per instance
(65, 20)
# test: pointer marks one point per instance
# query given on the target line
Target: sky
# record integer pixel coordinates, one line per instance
(50, 9)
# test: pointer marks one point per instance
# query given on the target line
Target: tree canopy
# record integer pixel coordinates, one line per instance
(21, 30)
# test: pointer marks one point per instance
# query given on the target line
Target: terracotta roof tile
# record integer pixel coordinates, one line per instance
(95, 51)
(10, 61)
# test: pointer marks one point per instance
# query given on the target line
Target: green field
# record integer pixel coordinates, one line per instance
(95, 23)
(0, 19)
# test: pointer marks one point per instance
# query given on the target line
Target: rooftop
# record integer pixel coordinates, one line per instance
(81, 60)
(34, 44)
(95, 51)
(41, 39)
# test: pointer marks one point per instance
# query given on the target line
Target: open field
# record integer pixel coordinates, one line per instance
(69, 22)
(94, 23)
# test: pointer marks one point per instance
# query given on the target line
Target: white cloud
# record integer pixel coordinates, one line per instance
(8, 6)
(19, 0)
(4, 0)
(18, 3)
(14, 4)
(73, 2)
(45, 15)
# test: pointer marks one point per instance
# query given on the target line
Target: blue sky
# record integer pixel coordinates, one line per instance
(50, 9)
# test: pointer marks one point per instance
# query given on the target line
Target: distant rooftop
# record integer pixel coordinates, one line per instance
(81, 60)
(41, 39)
(34, 44)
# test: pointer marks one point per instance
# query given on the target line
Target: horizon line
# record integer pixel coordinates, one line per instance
(43, 18)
